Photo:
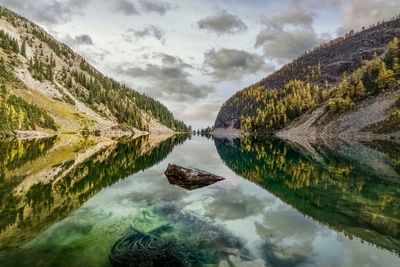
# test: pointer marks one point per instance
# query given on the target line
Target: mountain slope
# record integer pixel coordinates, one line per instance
(63, 90)
(327, 84)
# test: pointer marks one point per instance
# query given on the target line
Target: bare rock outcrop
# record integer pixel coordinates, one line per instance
(190, 178)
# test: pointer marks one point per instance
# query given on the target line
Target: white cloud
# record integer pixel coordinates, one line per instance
(363, 13)
(288, 34)
(169, 80)
(232, 64)
(223, 22)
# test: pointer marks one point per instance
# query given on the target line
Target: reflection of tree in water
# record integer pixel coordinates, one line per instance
(337, 192)
(107, 167)
(15, 153)
(46, 203)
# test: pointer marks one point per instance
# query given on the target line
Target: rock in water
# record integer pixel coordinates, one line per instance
(137, 248)
(237, 262)
(190, 178)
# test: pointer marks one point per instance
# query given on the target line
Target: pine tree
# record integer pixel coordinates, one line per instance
(23, 48)
(396, 67)
(385, 78)
(360, 90)
(393, 52)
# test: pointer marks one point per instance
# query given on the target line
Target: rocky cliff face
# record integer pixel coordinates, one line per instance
(320, 74)
(340, 55)
(61, 87)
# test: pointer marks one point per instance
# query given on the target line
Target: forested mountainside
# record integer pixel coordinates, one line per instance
(44, 85)
(336, 78)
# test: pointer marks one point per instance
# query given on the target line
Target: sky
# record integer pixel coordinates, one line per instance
(193, 55)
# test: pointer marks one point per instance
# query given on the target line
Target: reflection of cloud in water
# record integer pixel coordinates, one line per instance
(353, 254)
(288, 237)
(283, 256)
(226, 207)
(150, 189)
(287, 222)
(197, 154)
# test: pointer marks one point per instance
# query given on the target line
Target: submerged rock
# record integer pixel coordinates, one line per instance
(190, 178)
(184, 239)
(138, 248)
(237, 262)
(212, 235)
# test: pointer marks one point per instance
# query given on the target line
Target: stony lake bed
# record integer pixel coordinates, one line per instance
(280, 205)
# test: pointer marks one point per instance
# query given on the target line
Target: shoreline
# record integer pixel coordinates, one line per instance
(36, 135)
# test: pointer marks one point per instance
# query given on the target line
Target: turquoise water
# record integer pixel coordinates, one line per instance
(286, 206)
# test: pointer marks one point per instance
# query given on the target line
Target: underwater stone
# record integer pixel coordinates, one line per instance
(190, 178)
(235, 261)
(224, 263)
(138, 249)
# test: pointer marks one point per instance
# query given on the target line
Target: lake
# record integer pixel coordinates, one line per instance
(65, 201)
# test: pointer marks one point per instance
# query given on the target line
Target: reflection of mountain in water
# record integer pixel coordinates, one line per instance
(44, 181)
(351, 188)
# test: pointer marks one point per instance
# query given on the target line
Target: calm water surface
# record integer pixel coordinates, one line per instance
(64, 203)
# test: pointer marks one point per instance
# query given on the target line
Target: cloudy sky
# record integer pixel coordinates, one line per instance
(193, 55)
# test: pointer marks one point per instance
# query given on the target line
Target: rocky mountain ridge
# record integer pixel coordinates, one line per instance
(344, 88)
